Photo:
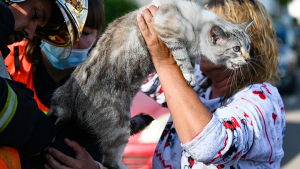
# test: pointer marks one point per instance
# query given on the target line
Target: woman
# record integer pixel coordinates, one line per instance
(235, 119)
(33, 64)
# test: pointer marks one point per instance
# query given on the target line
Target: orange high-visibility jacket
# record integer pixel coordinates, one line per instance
(9, 158)
(24, 73)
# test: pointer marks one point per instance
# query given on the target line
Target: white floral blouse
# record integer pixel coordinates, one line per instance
(247, 132)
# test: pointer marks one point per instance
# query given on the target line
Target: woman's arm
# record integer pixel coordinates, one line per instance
(190, 116)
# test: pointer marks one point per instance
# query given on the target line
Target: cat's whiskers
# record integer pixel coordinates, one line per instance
(256, 56)
(253, 33)
(250, 72)
(223, 72)
(254, 38)
(254, 59)
(255, 64)
(228, 81)
(235, 77)
(242, 75)
(253, 69)
(233, 80)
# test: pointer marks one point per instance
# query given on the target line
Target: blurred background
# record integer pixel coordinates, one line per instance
(286, 18)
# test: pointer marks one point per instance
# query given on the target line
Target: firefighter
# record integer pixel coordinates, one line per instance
(24, 129)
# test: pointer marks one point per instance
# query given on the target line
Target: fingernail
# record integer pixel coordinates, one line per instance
(139, 15)
(67, 139)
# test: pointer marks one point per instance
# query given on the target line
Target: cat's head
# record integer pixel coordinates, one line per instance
(230, 44)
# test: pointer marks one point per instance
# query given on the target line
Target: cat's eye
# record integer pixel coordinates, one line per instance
(236, 49)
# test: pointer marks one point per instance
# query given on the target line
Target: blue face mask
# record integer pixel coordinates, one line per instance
(76, 57)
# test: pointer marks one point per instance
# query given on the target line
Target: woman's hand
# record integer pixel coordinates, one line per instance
(159, 52)
(82, 159)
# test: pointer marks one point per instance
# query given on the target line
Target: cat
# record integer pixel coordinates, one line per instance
(100, 91)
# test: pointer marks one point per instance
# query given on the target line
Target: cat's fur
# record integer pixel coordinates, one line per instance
(99, 93)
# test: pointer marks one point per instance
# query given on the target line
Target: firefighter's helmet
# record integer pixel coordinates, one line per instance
(65, 27)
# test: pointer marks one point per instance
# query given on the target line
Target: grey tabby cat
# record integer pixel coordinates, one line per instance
(100, 91)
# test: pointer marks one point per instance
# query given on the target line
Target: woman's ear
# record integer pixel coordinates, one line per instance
(217, 35)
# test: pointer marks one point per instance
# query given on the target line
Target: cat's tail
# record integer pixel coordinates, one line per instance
(139, 122)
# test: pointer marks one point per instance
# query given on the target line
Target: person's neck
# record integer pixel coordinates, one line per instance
(219, 86)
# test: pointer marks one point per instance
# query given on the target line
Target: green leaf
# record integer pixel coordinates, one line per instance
(283, 2)
(117, 8)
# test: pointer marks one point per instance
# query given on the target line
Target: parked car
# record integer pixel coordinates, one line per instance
(297, 32)
(140, 148)
(288, 57)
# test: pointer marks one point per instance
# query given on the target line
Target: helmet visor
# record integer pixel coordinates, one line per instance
(65, 27)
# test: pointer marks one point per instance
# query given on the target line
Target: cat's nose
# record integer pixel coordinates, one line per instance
(247, 60)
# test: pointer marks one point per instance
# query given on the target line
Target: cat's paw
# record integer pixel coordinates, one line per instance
(190, 79)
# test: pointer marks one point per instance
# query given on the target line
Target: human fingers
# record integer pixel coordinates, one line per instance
(148, 14)
(75, 146)
(46, 166)
(83, 158)
(153, 9)
(143, 26)
(53, 164)
(69, 161)
(146, 27)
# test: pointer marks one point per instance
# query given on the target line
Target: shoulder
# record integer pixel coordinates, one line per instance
(261, 90)
(261, 97)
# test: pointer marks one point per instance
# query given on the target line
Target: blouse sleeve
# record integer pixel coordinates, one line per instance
(250, 127)
(153, 89)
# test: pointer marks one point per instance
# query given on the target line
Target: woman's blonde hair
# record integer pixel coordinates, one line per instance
(95, 20)
(264, 53)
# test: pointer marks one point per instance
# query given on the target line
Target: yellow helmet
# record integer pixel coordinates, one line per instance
(65, 27)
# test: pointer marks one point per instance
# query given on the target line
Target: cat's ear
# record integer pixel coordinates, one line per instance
(217, 35)
(246, 25)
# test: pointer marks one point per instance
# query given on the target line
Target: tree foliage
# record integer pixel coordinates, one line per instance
(283, 2)
(117, 8)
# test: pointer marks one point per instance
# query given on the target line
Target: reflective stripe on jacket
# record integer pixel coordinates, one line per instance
(9, 157)
(9, 109)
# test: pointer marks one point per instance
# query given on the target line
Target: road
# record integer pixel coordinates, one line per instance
(291, 143)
